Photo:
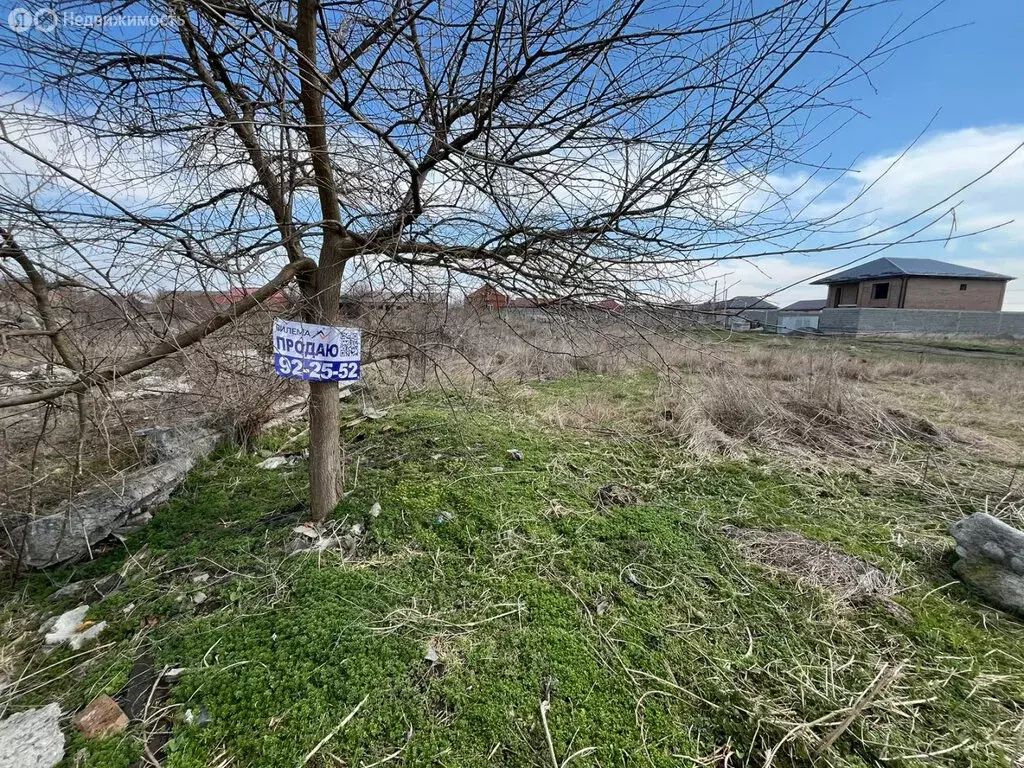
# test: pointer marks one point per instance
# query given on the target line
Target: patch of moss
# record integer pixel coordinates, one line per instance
(652, 639)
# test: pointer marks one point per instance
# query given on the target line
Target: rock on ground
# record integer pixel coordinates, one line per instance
(32, 739)
(76, 525)
(101, 718)
(70, 627)
(274, 462)
(991, 559)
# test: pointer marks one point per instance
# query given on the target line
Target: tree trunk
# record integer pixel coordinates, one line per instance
(322, 292)
(324, 449)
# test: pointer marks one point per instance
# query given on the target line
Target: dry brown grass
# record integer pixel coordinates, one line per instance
(785, 398)
(849, 579)
(819, 411)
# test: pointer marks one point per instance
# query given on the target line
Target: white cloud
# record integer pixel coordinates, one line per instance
(929, 172)
(940, 165)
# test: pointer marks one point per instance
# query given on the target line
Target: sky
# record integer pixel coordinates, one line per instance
(954, 92)
(962, 86)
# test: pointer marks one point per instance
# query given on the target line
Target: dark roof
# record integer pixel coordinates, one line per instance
(807, 305)
(522, 303)
(892, 267)
(736, 302)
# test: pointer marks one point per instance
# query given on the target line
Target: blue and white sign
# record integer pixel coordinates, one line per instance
(316, 352)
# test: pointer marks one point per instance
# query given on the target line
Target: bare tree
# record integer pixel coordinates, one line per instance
(595, 148)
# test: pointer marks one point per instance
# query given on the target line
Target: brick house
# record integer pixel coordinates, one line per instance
(607, 305)
(487, 297)
(892, 283)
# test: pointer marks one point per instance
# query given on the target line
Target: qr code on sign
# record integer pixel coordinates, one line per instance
(348, 343)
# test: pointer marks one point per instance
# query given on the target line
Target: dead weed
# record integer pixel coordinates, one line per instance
(851, 580)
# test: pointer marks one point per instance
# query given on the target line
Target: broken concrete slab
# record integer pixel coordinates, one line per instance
(32, 739)
(76, 525)
(991, 559)
(142, 680)
(319, 537)
(74, 589)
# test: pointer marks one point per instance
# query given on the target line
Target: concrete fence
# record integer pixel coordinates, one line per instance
(922, 321)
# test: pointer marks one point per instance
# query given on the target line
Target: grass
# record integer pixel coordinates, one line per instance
(642, 629)
(1002, 346)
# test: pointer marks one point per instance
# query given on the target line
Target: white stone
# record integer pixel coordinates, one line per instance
(65, 629)
(306, 530)
(81, 638)
(64, 626)
(274, 462)
(32, 739)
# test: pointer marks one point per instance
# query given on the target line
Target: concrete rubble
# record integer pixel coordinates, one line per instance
(32, 739)
(991, 559)
(74, 527)
(318, 537)
(72, 628)
(276, 462)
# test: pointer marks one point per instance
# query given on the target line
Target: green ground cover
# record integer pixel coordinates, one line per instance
(487, 586)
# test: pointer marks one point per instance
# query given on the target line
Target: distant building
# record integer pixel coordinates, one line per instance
(893, 283)
(200, 303)
(275, 301)
(487, 297)
(525, 304)
(799, 316)
(808, 305)
(736, 303)
(740, 313)
(354, 305)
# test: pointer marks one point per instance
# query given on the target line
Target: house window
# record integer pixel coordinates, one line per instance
(880, 291)
(963, 286)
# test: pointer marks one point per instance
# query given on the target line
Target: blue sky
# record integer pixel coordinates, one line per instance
(961, 81)
(968, 82)
(970, 75)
